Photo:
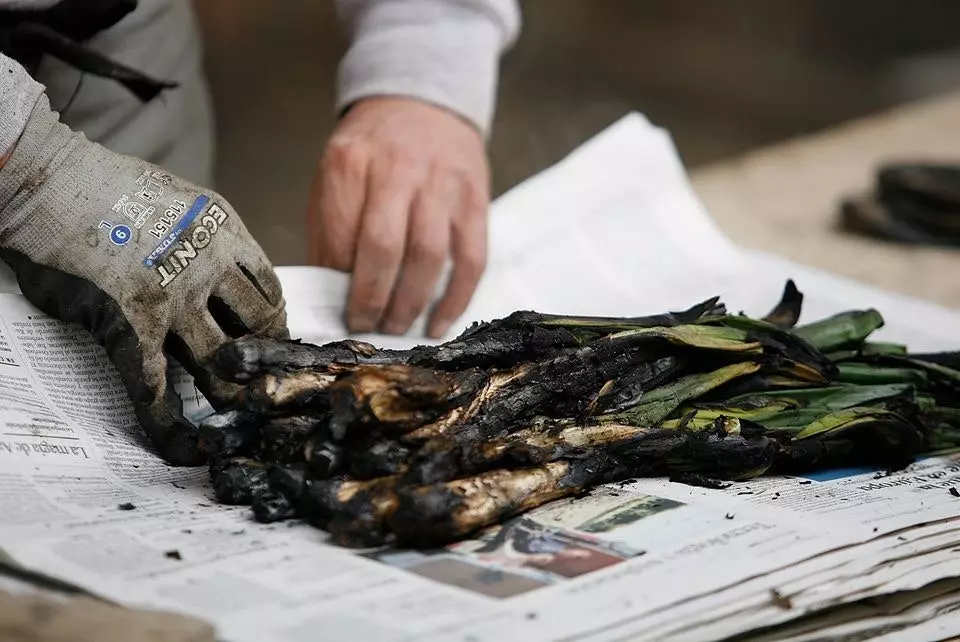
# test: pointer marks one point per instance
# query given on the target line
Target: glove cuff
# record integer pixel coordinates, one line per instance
(18, 95)
(43, 146)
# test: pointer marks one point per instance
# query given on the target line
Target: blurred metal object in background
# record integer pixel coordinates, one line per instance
(911, 203)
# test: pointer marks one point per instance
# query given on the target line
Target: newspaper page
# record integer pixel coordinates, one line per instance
(907, 522)
(613, 229)
(929, 615)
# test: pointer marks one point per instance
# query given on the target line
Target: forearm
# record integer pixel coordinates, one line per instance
(444, 52)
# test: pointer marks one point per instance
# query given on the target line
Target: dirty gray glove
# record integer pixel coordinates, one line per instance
(144, 260)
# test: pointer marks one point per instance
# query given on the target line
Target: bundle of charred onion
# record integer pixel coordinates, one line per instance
(429, 445)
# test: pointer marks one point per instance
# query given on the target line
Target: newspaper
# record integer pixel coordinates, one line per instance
(908, 522)
(614, 229)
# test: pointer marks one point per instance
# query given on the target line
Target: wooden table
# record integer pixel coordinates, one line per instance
(784, 199)
(39, 618)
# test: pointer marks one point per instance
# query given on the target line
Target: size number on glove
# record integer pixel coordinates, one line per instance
(119, 234)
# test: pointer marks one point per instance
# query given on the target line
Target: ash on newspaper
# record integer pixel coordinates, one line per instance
(424, 447)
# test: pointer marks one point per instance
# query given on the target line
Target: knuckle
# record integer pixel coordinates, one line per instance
(406, 165)
(475, 198)
(426, 250)
(345, 152)
(385, 246)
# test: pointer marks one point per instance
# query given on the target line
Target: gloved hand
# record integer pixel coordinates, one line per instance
(402, 188)
(144, 260)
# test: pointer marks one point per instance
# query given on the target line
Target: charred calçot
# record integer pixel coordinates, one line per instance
(425, 446)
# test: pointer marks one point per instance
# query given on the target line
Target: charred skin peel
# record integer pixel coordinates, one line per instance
(558, 384)
(887, 442)
(589, 327)
(355, 513)
(500, 349)
(282, 499)
(324, 459)
(396, 398)
(626, 391)
(790, 350)
(711, 453)
(440, 513)
(283, 439)
(543, 442)
(296, 391)
(562, 387)
(700, 313)
(378, 457)
(230, 433)
(251, 357)
(760, 382)
(490, 389)
(390, 389)
(643, 451)
(238, 480)
(271, 506)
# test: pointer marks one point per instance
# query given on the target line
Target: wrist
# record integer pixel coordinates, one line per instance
(45, 145)
(18, 96)
(396, 102)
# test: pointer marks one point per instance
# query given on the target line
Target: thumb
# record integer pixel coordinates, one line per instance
(139, 360)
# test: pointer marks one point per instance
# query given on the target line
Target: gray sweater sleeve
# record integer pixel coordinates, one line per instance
(445, 52)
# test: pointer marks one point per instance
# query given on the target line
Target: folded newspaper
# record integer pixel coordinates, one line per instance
(849, 554)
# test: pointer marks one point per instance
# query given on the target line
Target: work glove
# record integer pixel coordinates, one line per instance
(145, 261)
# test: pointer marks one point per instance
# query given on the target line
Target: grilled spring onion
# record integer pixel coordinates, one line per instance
(424, 446)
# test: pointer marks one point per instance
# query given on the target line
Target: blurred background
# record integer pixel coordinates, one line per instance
(723, 77)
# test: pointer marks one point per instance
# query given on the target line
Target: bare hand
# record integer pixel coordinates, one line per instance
(402, 187)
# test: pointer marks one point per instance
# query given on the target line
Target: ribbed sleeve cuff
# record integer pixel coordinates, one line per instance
(448, 57)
